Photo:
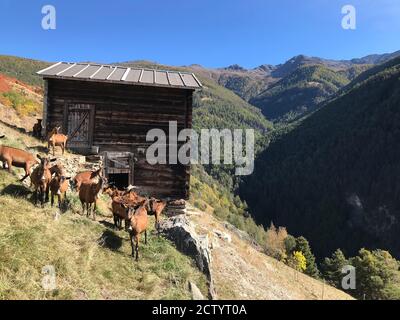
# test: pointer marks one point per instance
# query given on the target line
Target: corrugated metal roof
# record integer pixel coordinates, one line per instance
(125, 75)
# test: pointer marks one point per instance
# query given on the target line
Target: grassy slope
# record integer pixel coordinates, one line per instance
(91, 259)
(22, 69)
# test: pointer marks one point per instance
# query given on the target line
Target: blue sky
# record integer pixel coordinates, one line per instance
(212, 33)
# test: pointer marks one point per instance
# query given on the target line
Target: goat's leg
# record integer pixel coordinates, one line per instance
(83, 207)
(157, 223)
(42, 197)
(47, 191)
(27, 173)
(137, 238)
(132, 244)
(115, 221)
(52, 199)
(9, 165)
(94, 210)
(145, 236)
(36, 196)
(118, 223)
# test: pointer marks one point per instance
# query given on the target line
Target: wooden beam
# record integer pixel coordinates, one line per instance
(45, 106)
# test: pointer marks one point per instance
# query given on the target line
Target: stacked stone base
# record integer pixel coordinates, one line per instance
(175, 208)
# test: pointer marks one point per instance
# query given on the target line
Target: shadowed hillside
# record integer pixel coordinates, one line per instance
(334, 177)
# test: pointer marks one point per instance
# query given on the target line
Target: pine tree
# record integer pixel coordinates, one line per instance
(303, 246)
(332, 268)
(377, 275)
(290, 244)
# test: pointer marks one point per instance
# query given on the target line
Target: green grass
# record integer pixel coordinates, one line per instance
(91, 259)
(207, 194)
(23, 105)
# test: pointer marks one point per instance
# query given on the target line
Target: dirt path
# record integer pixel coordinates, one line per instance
(242, 272)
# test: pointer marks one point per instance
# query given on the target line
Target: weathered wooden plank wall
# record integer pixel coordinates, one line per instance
(123, 116)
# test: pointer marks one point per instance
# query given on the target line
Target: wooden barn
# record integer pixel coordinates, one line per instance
(108, 110)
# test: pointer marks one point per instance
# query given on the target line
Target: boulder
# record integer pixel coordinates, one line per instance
(179, 230)
(182, 232)
(195, 291)
(224, 236)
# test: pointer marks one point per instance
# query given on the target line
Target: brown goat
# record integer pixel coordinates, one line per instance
(40, 179)
(17, 158)
(156, 207)
(58, 184)
(120, 213)
(57, 139)
(89, 193)
(113, 192)
(85, 176)
(138, 224)
(37, 129)
(117, 209)
(57, 169)
(120, 201)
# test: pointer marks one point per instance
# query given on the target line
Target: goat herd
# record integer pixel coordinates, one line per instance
(48, 179)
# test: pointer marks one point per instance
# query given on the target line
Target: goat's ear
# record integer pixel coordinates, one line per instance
(124, 205)
(53, 159)
(67, 178)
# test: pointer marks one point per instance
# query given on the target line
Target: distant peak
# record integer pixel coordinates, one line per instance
(235, 67)
(195, 65)
(298, 58)
(265, 67)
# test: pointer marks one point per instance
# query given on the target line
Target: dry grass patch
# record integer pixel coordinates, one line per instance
(92, 261)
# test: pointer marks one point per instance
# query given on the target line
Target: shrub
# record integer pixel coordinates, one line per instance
(298, 261)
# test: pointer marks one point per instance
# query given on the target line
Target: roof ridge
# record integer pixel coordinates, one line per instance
(57, 71)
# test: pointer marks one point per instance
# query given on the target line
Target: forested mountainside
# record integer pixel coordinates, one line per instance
(334, 177)
(299, 92)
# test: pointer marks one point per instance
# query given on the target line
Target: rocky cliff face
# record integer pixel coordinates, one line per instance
(234, 265)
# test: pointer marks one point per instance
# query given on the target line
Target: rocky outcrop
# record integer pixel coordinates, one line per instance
(195, 291)
(182, 232)
(243, 236)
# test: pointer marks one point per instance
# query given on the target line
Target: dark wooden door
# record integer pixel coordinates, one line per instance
(119, 163)
(80, 125)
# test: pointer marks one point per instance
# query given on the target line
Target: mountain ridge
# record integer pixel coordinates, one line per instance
(332, 177)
